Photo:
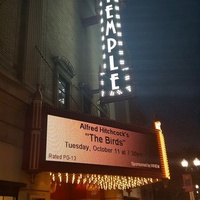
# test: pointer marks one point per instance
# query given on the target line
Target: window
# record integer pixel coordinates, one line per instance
(13, 18)
(86, 97)
(103, 109)
(64, 74)
(87, 104)
(63, 93)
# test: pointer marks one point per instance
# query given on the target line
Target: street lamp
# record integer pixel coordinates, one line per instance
(187, 178)
(184, 163)
(196, 162)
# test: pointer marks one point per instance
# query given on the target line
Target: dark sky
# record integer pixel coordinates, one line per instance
(163, 38)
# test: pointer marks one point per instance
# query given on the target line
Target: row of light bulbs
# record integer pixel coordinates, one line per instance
(104, 182)
(118, 92)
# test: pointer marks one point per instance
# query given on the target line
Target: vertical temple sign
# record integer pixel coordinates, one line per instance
(116, 77)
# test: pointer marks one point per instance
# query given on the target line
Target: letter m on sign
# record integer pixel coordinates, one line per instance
(187, 182)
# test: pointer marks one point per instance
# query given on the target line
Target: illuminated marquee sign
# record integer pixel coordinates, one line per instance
(74, 141)
(115, 76)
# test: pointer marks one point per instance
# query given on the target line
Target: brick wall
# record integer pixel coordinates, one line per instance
(12, 35)
(65, 35)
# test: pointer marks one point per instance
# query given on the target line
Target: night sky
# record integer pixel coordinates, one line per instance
(163, 38)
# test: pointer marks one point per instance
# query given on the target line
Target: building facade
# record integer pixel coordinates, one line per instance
(49, 51)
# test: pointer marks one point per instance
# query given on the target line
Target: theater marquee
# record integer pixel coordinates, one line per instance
(115, 77)
(76, 144)
(75, 141)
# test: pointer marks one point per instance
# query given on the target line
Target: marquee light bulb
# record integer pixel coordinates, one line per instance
(122, 62)
(73, 178)
(119, 34)
(125, 69)
(102, 73)
(102, 93)
(117, 16)
(119, 92)
(120, 43)
(127, 77)
(121, 53)
(67, 178)
(112, 93)
(116, 7)
(118, 25)
(102, 82)
(60, 177)
(129, 88)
